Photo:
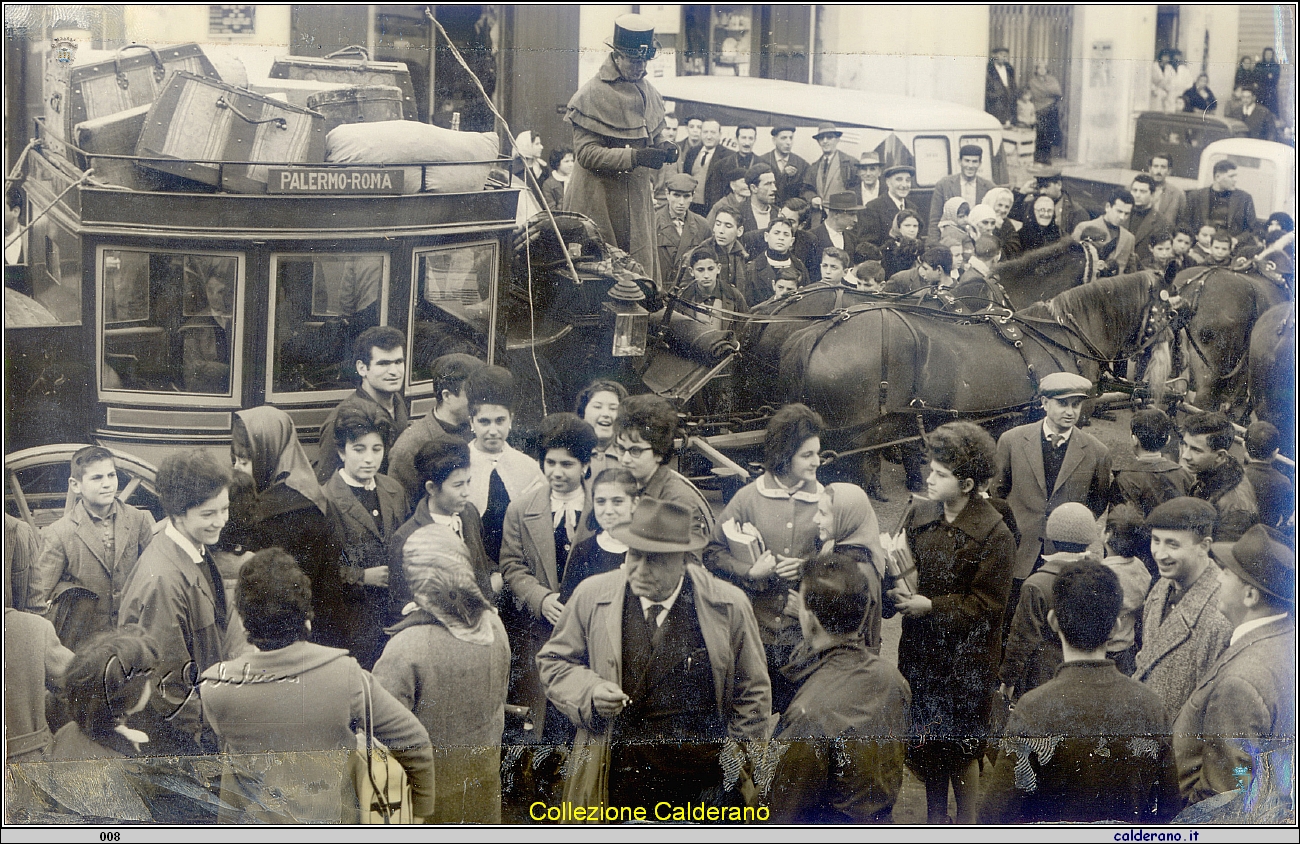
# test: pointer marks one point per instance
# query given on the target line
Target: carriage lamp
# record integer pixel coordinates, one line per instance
(631, 321)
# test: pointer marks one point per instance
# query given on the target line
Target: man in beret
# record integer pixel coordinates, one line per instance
(677, 227)
(1220, 479)
(1239, 726)
(1183, 631)
(660, 666)
(617, 120)
(968, 183)
(788, 168)
(878, 216)
(1043, 465)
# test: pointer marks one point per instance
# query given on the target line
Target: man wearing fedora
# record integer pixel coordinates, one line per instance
(788, 168)
(1239, 724)
(832, 173)
(968, 184)
(661, 668)
(878, 217)
(1043, 465)
(836, 230)
(617, 120)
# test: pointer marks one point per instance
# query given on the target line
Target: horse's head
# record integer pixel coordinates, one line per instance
(1224, 306)
(1039, 275)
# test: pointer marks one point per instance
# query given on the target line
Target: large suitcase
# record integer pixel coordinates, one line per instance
(99, 83)
(117, 134)
(363, 104)
(197, 124)
(352, 66)
(293, 91)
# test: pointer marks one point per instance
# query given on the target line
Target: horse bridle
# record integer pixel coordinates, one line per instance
(1194, 287)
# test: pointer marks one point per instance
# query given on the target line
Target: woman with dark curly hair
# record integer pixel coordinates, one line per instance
(107, 681)
(903, 246)
(952, 622)
(284, 710)
(598, 405)
(781, 507)
(643, 441)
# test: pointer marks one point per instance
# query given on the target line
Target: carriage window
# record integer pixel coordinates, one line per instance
(985, 143)
(169, 321)
(454, 296)
(932, 160)
(321, 303)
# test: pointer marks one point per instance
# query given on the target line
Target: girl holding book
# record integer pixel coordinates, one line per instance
(777, 512)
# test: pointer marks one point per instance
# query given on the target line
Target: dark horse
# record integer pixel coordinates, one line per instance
(1272, 371)
(1225, 307)
(872, 375)
(1039, 275)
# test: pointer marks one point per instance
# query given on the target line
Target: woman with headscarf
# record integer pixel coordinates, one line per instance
(901, 249)
(1008, 231)
(288, 711)
(953, 223)
(284, 506)
(1041, 229)
(1267, 74)
(847, 524)
(1045, 93)
(449, 663)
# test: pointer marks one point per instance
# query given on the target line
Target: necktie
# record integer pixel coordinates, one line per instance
(826, 175)
(652, 613)
(218, 588)
(678, 225)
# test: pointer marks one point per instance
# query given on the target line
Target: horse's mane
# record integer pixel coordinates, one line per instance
(1105, 298)
(1030, 260)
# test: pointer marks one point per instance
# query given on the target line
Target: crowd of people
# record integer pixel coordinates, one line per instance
(570, 622)
(659, 652)
(1254, 98)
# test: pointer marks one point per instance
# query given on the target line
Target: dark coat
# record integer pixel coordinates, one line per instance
(757, 285)
(843, 737)
(1146, 484)
(365, 545)
(999, 99)
(841, 164)
(674, 247)
(1227, 488)
(1273, 493)
(471, 525)
(950, 655)
(401, 460)
(1033, 651)
(327, 458)
(976, 291)
(1245, 704)
(821, 241)
(1260, 124)
(875, 221)
(787, 187)
(715, 184)
(1142, 230)
(1241, 211)
(1052, 770)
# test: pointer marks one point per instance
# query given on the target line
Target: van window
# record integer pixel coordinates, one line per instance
(320, 304)
(933, 160)
(985, 143)
(169, 321)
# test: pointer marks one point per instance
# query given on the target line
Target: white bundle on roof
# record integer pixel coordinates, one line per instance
(409, 142)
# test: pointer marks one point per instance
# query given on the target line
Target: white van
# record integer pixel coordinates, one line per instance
(1265, 170)
(926, 134)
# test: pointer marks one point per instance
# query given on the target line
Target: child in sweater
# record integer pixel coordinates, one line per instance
(1126, 536)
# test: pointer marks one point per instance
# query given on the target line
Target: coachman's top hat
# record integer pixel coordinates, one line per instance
(634, 36)
(660, 527)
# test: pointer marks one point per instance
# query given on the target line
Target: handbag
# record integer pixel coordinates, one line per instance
(586, 781)
(383, 792)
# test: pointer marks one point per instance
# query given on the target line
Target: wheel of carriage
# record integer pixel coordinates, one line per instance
(36, 482)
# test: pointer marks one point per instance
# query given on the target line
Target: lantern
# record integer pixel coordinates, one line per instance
(631, 320)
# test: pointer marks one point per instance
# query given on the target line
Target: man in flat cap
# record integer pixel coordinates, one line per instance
(1183, 631)
(1239, 724)
(679, 229)
(833, 172)
(617, 120)
(877, 218)
(968, 184)
(660, 666)
(788, 168)
(1043, 465)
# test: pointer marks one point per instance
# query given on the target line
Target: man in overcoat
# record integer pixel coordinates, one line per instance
(617, 120)
(1239, 724)
(661, 668)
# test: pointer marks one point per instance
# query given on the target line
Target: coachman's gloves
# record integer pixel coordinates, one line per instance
(672, 150)
(652, 157)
